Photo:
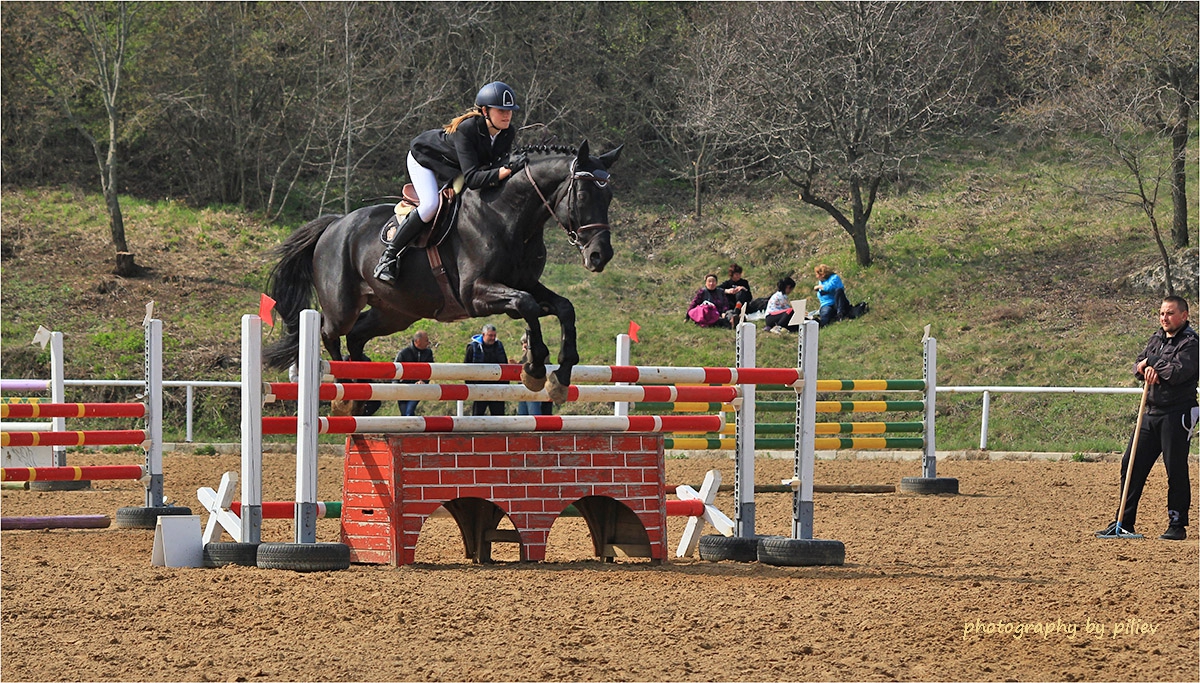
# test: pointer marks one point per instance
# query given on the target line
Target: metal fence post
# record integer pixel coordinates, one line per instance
(983, 423)
(743, 477)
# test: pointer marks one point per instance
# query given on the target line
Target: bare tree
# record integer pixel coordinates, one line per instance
(698, 133)
(841, 96)
(87, 62)
(1113, 79)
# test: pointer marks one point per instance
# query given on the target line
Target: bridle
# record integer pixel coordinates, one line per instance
(600, 177)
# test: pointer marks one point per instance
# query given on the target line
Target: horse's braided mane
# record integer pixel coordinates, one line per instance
(549, 149)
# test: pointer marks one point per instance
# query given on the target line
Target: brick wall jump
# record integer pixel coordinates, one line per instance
(394, 482)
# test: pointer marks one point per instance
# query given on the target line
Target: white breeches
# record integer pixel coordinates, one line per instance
(425, 183)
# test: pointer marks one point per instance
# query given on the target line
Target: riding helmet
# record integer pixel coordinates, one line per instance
(497, 95)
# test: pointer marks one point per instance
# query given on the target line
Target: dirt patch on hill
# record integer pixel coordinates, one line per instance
(200, 278)
(932, 588)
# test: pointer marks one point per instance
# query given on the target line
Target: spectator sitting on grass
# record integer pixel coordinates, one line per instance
(779, 308)
(710, 307)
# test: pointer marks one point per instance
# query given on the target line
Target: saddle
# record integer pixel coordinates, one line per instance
(430, 239)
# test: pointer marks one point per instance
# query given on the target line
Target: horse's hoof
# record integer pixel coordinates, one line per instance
(532, 383)
(557, 390)
(341, 407)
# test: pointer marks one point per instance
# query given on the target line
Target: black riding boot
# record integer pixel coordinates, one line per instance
(409, 228)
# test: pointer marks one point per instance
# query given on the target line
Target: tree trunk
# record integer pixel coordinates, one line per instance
(125, 265)
(862, 248)
(1179, 138)
(1168, 284)
(857, 229)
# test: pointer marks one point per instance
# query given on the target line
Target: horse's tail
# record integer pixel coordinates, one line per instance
(291, 285)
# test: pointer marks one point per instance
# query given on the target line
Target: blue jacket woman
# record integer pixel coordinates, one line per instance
(828, 285)
(475, 144)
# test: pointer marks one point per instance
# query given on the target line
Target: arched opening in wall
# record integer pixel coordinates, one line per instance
(570, 540)
(468, 530)
(612, 531)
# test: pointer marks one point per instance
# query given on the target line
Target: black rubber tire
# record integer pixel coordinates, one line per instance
(219, 554)
(304, 557)
(81, 485)
(929, 485)
(145, 517)
(715, 547)
(801, 552)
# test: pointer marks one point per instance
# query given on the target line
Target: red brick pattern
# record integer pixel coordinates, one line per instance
(394, 482)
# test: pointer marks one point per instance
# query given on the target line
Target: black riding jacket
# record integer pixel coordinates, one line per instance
(469, 150)
(1175, 359)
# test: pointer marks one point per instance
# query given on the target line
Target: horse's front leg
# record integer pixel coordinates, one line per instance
(551, 303)
(489, 298)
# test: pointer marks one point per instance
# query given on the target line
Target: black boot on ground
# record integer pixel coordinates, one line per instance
(1175, 532)
(1112, 528)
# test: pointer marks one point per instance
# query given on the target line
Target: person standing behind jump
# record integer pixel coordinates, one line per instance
(417, 351)
(828, 284)
(485, 348)
(475, 144)
(1169, 367)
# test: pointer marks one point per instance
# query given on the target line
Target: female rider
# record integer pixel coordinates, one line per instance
(474, 145)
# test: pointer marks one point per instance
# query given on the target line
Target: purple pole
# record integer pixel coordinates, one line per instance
(24, 384)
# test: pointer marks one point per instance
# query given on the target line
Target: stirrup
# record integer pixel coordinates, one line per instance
(385, 270)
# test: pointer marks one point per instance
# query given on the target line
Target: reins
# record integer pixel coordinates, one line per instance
(572, 235)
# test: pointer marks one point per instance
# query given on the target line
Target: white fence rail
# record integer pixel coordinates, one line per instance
(987, 392)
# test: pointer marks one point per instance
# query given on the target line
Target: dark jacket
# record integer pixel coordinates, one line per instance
(469, 150)
(741, 297)
(1175, 360)
(411, 354)
(478, 352)
(716, 297)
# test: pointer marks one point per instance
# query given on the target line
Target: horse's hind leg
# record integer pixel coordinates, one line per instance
(333, 344)
(339, 312)
(371, 324)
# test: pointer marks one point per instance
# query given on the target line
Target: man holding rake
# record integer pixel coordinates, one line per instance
(1166, 422)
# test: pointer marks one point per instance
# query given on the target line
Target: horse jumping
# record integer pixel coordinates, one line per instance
(493, 260)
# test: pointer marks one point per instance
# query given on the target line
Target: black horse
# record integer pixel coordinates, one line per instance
(493, 260)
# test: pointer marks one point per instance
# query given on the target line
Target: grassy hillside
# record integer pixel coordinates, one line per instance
(1017, 277)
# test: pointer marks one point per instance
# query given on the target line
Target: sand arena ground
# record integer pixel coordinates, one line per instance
(933, 588)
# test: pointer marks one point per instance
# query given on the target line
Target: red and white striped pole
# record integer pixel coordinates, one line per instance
(505, 423)
(290, 391)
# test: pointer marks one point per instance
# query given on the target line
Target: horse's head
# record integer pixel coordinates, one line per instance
(580, 206)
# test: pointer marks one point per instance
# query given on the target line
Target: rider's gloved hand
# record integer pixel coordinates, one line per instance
(517, 161)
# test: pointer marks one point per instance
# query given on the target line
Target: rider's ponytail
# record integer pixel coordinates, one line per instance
(468, 114)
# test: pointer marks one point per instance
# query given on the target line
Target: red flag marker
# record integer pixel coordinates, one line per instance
(633, 330)
(264, 309)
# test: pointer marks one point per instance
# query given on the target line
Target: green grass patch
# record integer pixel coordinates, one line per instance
(1012, 270)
